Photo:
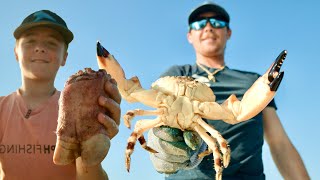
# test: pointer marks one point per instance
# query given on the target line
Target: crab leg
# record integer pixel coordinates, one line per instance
(139, 112)
(212, 143)
(140, 127)
(205, 153)
(213, 111)
(224, 147)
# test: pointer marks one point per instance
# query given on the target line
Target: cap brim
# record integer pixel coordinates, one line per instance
(66, 33)
(209, 8)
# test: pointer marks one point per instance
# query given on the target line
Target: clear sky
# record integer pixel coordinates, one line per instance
(149, 36)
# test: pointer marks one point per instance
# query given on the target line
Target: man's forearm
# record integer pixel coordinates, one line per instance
(86, 173)
(284, 154)
(289, 162)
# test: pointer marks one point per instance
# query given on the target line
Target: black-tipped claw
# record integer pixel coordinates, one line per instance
(275, 81)
(101, 51)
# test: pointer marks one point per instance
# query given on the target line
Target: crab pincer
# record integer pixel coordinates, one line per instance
(101, 51)
(274, 76)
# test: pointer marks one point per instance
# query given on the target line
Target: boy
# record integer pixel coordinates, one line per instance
(28, 117)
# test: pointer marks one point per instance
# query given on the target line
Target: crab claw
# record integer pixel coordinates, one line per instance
(101, 51)
(274, 76)
(107, 62)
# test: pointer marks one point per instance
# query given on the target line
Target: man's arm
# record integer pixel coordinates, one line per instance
(284, 154)
(86, 173)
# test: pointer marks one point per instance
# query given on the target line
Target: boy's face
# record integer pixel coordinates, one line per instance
(40, 52)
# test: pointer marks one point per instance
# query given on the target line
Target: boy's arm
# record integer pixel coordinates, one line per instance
(85, 173)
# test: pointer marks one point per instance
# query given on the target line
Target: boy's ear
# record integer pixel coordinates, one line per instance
(64, 58)
(15, 53)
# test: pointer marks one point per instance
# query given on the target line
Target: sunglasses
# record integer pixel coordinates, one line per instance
(200, 24)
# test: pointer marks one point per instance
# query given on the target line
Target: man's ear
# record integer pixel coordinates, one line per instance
(189, 37)
(229, 33)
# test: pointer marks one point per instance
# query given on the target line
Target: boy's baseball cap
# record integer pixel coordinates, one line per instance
(220, 12)
(45, 18)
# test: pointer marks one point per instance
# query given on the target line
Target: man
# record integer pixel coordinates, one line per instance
(28, 117)
(209, 32)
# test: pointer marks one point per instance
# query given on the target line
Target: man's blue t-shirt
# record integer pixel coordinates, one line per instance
(245, 138)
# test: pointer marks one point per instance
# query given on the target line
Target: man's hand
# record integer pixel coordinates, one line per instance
(111, 120)
(174, 149)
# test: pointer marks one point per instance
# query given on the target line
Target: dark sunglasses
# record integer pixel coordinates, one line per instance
(200, 24)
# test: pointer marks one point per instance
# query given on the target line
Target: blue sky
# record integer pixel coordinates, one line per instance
(149, 36)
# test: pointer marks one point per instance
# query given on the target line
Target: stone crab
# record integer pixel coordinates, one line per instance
(78, 131)
(182, 102)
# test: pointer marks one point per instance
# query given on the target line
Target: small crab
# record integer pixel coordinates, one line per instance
(181, 102)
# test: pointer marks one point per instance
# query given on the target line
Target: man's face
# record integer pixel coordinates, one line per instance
(209, 41)
(40, 52)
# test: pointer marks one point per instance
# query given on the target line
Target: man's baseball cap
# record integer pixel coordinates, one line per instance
(220, 12)
(45, 18)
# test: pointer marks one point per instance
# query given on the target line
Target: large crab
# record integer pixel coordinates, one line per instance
(182, 102)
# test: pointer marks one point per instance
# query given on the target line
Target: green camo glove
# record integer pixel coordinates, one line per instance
(176, 149)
